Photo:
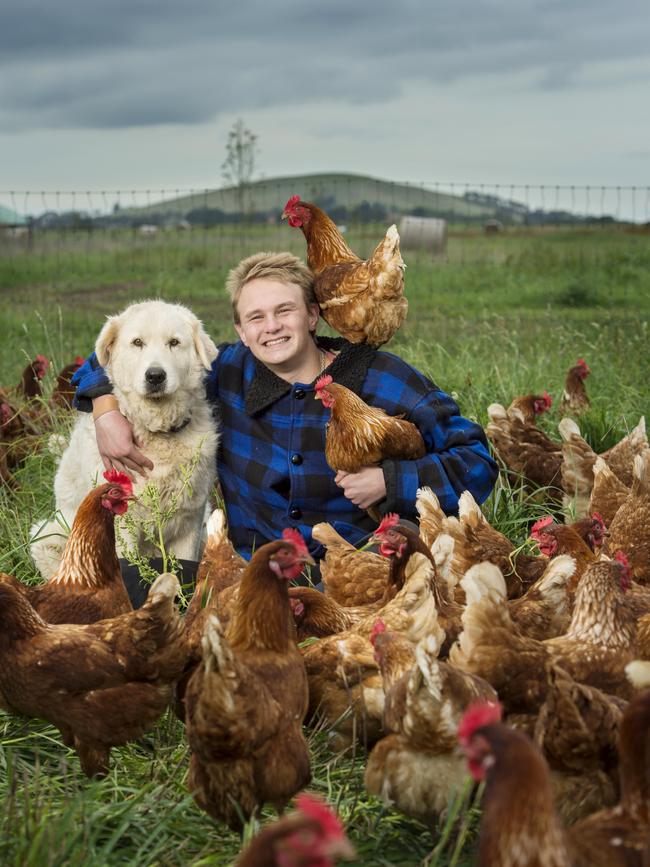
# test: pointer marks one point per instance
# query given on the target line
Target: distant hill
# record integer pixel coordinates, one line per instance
(346, 198)
(338, 194)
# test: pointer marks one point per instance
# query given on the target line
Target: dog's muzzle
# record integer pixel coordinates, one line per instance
(156, 380)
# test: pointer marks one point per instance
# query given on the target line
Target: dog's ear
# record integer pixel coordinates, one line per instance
(106, 339)
(204, 345)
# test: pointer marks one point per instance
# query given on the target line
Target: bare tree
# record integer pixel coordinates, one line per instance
(239, 165)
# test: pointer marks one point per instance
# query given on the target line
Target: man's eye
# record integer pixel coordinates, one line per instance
(174, 342)
(137, 342)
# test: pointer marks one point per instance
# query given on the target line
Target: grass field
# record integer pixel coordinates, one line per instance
(498, 316)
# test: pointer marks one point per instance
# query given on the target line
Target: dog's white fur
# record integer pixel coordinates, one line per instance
(140, 338)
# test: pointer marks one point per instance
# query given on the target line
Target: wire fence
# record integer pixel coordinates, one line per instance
(166, 228)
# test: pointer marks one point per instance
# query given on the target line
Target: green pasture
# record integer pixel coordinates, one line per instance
(493, 317)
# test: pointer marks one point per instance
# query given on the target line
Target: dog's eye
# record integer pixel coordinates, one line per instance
(137, 342)
(174, 342)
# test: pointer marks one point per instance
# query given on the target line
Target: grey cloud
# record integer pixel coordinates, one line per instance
(139, 62)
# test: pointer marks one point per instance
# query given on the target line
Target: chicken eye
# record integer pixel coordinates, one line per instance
(174, 342)
(137, 342)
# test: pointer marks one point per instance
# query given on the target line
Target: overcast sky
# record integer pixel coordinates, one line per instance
(142, 93)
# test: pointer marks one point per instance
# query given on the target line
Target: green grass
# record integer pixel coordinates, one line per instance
(496, 317)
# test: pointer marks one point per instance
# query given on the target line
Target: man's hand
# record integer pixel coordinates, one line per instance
(364, 488)
(117, 445)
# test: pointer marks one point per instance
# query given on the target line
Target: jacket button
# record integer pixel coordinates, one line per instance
(299, 393)
(296, 460)
(295, 513)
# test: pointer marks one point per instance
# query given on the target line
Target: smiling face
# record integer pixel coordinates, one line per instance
(275, 323)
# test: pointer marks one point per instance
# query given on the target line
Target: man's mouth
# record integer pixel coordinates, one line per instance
(277, 341)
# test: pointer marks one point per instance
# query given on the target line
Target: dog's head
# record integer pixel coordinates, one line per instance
(155, 349)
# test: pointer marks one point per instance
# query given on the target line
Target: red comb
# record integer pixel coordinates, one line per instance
(597, 518)
(116, 478)
(290, 534)
(377, 629)
(315, 808)
(40, 365)
(542, 403)
(292, 201)
(323, 382)
(79, 361)
(626, 577)
(388, 521)
(540, 525)
(621, 558)
(477, 715)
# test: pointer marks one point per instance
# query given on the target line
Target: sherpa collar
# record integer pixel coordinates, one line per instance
(349, 368)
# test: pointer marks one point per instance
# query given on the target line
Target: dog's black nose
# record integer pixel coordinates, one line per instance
(155, 376)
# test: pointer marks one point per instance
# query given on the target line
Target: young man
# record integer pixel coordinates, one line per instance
(271, 462)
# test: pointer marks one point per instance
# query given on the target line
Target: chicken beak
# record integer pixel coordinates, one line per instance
(307, 558)
(284, 216)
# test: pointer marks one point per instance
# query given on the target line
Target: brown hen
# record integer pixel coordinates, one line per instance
(630, 528)
(575, 398)
(526, 451)
(362, 300)
(246, 701)
(101, 684)
(416, 766)
(313, 836)
(358, 435)
(350, 576)
(88, 584)
(520, 827)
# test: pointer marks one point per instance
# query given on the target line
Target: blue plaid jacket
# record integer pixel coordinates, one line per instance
(271, 459)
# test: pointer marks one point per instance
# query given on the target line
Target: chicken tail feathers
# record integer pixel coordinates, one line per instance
(638, 673)
(327, 535)
(552, 586)
(217, 655)
(165, 586)
(431, 514)
(641, 483)
(485, 580)
(216, 526)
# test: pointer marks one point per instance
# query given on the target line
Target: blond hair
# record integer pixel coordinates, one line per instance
(284, 267)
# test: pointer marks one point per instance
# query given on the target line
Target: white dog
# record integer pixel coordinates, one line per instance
(156, 355)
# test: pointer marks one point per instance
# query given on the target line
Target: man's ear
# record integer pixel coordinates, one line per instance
(314, 313)
(204, 345)
(106, 339)
(240, 331)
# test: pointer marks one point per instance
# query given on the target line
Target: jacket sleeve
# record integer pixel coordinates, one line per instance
(91, 381)
(457, 459)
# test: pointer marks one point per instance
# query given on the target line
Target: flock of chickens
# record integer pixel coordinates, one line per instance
(450, 634)
(25, 416)
(446, 650)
